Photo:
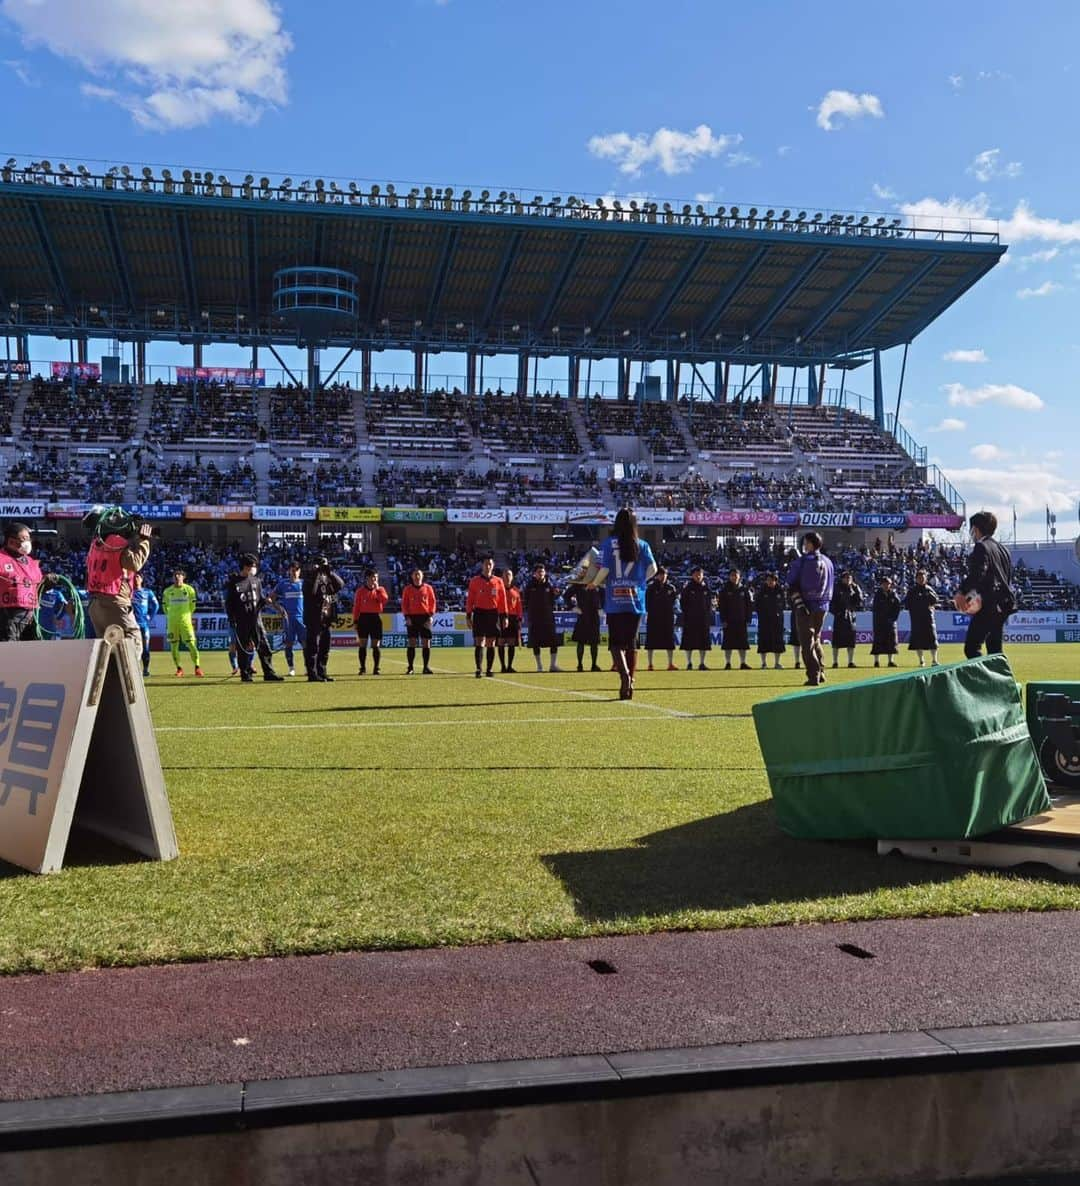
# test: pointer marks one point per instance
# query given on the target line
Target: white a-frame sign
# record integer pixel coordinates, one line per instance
(77, 749)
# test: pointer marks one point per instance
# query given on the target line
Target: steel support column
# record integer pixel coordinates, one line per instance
(418, 369)
(672, 381)
(573, 370)
(522, 372)
(196, 354)
(879, 392)
(767, 381)
(813, 394)
(81, 349)
(470, 372)
(365, 369)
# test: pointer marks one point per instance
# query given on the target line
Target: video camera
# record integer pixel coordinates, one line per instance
(105, 521)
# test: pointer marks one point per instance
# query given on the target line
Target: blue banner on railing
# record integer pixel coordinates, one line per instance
(881, 520)
(158, 510)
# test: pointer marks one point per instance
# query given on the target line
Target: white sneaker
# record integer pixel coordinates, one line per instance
(292, 670)
(554, 666)
(539, 665)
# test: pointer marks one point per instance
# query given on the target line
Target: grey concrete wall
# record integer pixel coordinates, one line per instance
(916, 1128)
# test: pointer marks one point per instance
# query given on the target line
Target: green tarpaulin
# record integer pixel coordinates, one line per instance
(938, 753)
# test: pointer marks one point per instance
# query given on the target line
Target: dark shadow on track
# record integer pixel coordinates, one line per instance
(737, 859)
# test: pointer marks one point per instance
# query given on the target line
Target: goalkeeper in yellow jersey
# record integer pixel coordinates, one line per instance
(178, 601)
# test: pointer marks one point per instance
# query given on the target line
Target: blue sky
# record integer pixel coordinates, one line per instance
(925, 109)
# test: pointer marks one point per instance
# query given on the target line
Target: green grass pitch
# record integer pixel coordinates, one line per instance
(420, 811)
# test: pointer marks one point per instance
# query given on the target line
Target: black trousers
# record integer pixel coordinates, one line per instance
(317, 648)
(251, 640)
(17, 625)
(987, 626)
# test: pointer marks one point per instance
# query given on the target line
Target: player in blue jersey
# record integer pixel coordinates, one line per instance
(145, 606)
(288, 596)
(626, 567)
(52, 610)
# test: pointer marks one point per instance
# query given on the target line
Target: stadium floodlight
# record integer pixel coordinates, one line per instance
(734, 212)
(284, 189)
(93, 310)
(817, 218)
(14, 305)
(167, 183)
(588, 330)
(208, 184)
(354, 194)
(161, 312)
(896, 222)
(337, 196)
(418, 324)
(225, 186)
(515, 328)
(459, 326)
(320, 190)
(717, 336)
(48, 308)
(303, 189)
(880, 222)
(189, 184)
(798, 339)
(8, 171)
(786, 216)
(555, 330)
(626, 333)
(720, 212)
(466, 199)
(682, 336)
(385, 323)
(864, 220)
(769, 216)
(65, 173)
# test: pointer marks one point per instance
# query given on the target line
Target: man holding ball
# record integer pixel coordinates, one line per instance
(986, 591)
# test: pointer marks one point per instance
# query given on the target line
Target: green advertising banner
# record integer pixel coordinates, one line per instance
(414, 515)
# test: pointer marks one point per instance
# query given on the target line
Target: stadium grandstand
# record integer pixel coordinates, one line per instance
(734, 334)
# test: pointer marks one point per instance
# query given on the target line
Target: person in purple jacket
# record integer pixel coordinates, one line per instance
(810, 582)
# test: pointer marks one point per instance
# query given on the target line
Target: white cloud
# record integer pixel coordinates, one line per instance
(21, 70)
(735, 159)
(175, 66)
(961, 214)
(884, 193)
(965, 356)
(949, 424)
(846, 105)
(1029, 487)
(670, 151)
(1047, 288)
(987, 453)
(704, 198)
(1040, 257)
(988, 164)
(783, 150)
(1008, 395)
(956, 81)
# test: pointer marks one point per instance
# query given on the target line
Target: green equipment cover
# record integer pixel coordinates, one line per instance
(937, 753)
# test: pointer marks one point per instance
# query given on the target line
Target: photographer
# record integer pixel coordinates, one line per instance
(321, 589)
(119, 549)
(20, 580)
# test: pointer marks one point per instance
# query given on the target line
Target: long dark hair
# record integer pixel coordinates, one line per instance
(624, 530)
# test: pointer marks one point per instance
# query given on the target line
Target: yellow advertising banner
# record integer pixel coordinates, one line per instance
(77, 747)
(350, 514)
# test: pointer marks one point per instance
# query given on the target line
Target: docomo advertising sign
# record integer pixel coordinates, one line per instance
(235, 513)
(475, 515)
(81, 370)
(948, 522)
(349, 514)
(265, 514)
(549, 515)
(712, 518)
(22, 510)
(238, 376)
(826, 518)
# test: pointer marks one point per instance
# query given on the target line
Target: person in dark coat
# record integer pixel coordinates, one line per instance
(989, 574)
(736, 605)
(588, 600)
(321, 589)
(538, 600)
(244, 603)
(886, 609)
(846, 602)
(697, 601)
(769, 606)
(660, 598)
(920, 603)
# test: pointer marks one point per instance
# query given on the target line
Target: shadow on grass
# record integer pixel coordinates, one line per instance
(468, 705)
(737, 859)
(85, 849)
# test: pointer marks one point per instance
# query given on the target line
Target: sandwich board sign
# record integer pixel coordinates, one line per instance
(77, 749)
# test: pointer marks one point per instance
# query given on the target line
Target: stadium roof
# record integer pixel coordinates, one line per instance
(193, 259)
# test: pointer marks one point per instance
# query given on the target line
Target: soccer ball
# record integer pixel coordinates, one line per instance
(969, 605)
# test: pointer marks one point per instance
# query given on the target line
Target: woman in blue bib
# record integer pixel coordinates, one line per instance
(626, 567)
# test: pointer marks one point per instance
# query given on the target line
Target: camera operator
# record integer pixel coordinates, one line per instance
(321, 589)
(244, 603)
(20, 581)
(119, 549)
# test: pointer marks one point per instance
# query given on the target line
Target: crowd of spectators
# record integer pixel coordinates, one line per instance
(400, 419)
(196, 481)
(204, 411)
(789, 492)
(56, 475)
(324, 421)
(93, 412)
(330, 483)
(650, 421)
(735, 426)
(524, 423)
(1039, 589)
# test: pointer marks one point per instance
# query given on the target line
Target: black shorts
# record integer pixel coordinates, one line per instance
(511, 636)
(418, 626)
(369, 626)
(485, 623)
(623, 631)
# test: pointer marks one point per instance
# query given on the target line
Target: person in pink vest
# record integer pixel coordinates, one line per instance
(20, 582)
(111, 563)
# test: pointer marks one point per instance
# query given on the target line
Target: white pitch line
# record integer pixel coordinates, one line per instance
(516, 683)
(397, 724)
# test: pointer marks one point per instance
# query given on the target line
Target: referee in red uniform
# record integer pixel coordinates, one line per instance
(368, 605)
(485, 611)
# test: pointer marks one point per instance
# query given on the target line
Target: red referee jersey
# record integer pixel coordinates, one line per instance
(513, 603)
(369, 601)
(486, 593)
(417, 600)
